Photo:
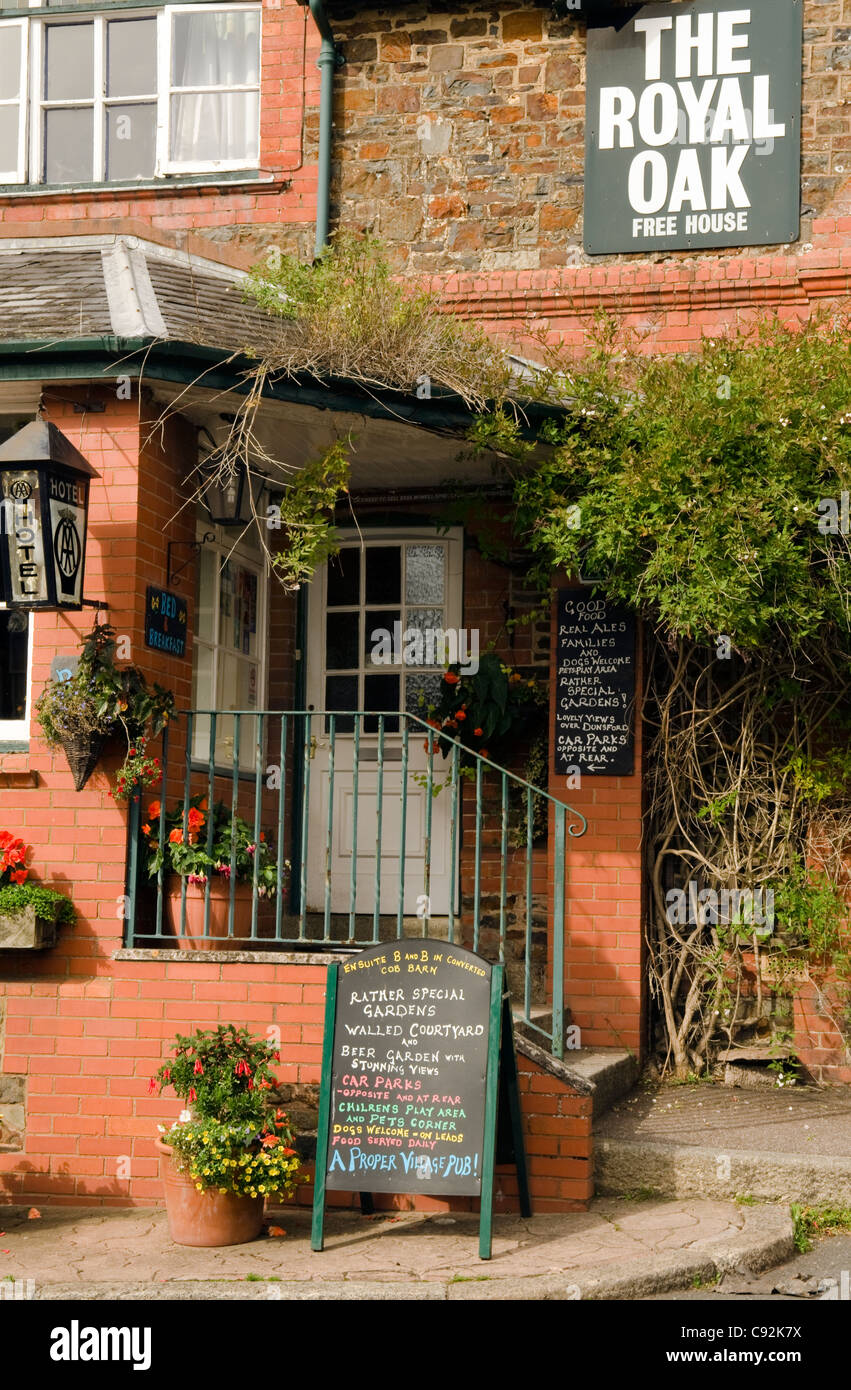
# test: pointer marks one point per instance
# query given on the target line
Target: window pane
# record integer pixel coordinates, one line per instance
(341, 692)
(68, 145)
(381, 693)
(213, 126)
(341, 639)
(426, 644)
(69, 63)
(383, 574)
(218, 49)
(205, 595)
(10, 62)
(424, 567)
(131, 135)
(344, 578)
(131, 58)
(9, 138)
(421, 693)
(13, 665)
(378, 625)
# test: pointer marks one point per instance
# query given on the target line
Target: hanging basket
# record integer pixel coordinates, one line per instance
(83, 754)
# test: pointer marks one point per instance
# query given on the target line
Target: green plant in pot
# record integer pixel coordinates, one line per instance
(101, 700)
(29, 912)
(209, 854)
(234, 1151)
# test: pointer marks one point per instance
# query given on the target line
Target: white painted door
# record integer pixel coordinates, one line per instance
(366, 609)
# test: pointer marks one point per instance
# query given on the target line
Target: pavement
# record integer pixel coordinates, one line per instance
(620, 1249)
(790, 1144)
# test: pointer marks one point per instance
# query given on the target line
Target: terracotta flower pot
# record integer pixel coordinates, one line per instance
(206, 1218)
(192, 936)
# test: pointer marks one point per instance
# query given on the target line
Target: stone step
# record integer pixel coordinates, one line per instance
(605, 1073)
(680, 1170)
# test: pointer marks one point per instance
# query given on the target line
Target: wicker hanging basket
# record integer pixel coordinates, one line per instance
(83, 754)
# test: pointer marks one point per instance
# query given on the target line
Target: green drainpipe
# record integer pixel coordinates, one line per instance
(329, 59)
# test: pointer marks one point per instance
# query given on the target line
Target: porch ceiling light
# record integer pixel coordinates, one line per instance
(44, 490)
(233, 497)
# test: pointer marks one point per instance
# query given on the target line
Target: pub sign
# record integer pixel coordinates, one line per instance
(693, 126)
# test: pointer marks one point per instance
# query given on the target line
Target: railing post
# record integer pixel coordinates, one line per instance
(559, 932)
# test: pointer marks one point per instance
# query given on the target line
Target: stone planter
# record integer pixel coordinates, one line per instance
(26, 932)
(209, 1218)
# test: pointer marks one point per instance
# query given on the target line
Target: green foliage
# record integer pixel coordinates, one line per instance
(811, 1222)
(49, 905)
(346, 315)
(250, 1160)
(812, 913)
(103, 698)
(304, 512)
(222, 1073)
(698, 482)
(489, 711)
(185, 847)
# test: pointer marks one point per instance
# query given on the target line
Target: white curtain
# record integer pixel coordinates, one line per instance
(216, 49)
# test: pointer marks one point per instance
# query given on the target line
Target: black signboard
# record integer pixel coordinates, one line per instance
(165, 621)
(414, 1049)
(693, 125)
(595, 686)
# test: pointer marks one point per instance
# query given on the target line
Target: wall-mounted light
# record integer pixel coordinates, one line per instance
(232, 494)
(44, 491)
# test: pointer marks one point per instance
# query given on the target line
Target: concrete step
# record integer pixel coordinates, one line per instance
(604, 1073)
(629, 1166)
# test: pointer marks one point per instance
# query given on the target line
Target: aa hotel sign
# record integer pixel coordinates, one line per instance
(693, 126)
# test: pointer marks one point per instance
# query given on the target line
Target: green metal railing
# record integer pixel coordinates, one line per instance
(487, 899)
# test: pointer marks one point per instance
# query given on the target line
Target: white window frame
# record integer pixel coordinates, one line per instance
(19, 173)
(252, 558)
(165, 164)
(31, 139)
(18, 730)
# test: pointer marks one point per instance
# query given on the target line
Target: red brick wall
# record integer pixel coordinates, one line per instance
(88, 1047)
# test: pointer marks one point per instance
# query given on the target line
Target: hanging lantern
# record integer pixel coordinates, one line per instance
(44, 490)
(232, 497)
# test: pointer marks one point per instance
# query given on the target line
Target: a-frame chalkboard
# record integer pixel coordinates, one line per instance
(418, 1066)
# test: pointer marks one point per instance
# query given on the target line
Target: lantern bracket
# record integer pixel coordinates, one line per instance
(195, 547)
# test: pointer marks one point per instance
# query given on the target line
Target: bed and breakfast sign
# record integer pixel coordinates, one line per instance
(693, 125)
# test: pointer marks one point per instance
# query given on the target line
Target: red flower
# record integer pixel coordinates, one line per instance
(484, 752)
(152, 1086)
(19, 876)
(146, 829)
(477, 733)
(459, 714)
(451, 678)
(193, 1094)
(167, 1074)
(269, 1140)
(198, 1068)
(176, 836)
(242, 1068)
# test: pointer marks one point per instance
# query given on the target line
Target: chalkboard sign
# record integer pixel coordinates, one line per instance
(165, 621)
(410, 1075)
(595, 686)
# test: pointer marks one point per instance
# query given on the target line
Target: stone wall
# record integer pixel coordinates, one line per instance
(460, 132)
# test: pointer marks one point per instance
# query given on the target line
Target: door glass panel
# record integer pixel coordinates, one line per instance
(422, 691)
(381, 693)
(426, 642)
(344, 579)
(341, 641)
(383, 574)
(425, 567)
(68, 145)
(378, 627)
(69, 62)
(341, 692)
